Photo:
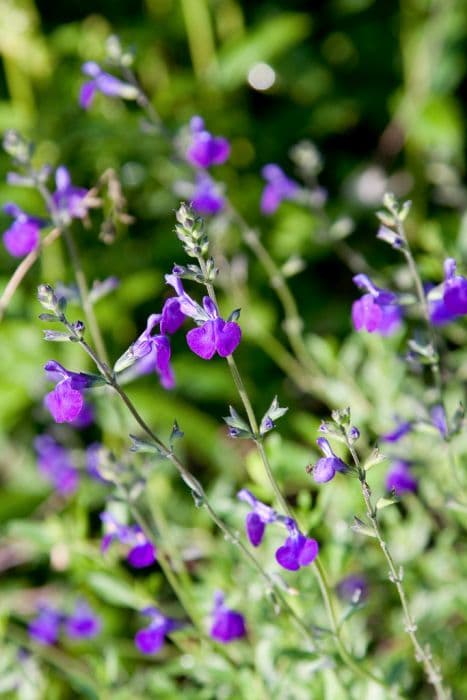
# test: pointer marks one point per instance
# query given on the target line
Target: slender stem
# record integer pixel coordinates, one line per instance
(84, 295)
(318, 567)
(422, 654)
(293, 324)
(434, 360)
(183, 597)
(77, 269)
(23, 268)
(187, 477)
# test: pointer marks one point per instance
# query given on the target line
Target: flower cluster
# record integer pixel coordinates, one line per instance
(213, 335)
(204, 151)
(297, 550)
(141, 553)
(54, 462)
(83, 623)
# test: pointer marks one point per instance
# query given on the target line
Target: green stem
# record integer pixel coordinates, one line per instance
(187, 477)
(422, 654)
(318, 567)
(434, 360)
(77, 269)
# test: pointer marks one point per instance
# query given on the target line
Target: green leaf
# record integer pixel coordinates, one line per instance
(116, 592)
(376, 457)
(385, 502)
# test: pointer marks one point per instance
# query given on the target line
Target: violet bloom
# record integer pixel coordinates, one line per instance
(278, 188)
(85, 417)
(104, 83)
(213, 334)
(353, 588)
(205, 149)
(377, 310)
(68, 201)
(438, 417)
(297, 550)
(258, 518)
(23, 236)
(45, 628)
(55, 464)
(153, 352)
(83, 623)
(401, 429)
(325, 468)
(207, 198)
(400, 479)
(66, 401)
(455, 290)
(227, 624)
(142, 552)
(151, 639)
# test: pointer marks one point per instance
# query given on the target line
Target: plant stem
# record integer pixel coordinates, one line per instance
(77, 269)
(434, 360)
(422, 654)
(318, 567)
(188, 478)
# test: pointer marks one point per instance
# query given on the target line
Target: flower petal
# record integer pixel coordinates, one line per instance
(228, 337)
(202, 340)
(308, 552)
(254, 529)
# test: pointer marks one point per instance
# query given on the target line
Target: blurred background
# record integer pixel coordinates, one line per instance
(379, 89)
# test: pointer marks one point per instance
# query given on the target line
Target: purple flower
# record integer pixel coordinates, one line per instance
(377, 310)
(400, 479)
(258, 518)
(153, 351)
(94, 457)
(353, 588)
(455, 290)
(401, 429)
(227, 624)
(297, 550)
(207, 198)
(150, 639)
(438, 417)
(172, 316)
(83, 623)
(55, 464)
(205, 149)
(213, 334)
(45, 628)
(105, 83)
(142, 552)
(278, 188)
(325, 468)
(85, 417)
(68, 201)
(439, 313)
(23, 235)
(66, 401)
